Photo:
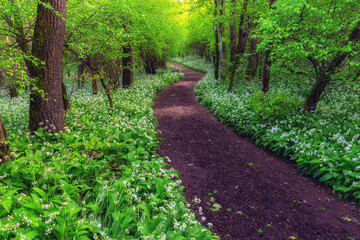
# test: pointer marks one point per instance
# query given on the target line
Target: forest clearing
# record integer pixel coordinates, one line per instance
(257, 137)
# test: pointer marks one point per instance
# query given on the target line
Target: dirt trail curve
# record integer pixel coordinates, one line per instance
(261, 196)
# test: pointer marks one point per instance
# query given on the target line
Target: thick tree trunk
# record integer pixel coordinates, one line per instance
(315, 94)
(48, 44)
(3, 141)
(251, 67)
(128, 71)
(266, 71)
(325, 74)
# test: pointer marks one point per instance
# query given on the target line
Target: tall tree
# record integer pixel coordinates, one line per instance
(237, 50)
(48, 42)
(266, 71)
(326, 71)
(318, 40)
(232, 36)
(217, 41)
(222, 40)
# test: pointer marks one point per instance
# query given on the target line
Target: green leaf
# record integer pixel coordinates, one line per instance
(94, 207)
(7, 204)
(326, 177)
(31, 234)
(83, 238)
(146, 210)
(41, 192)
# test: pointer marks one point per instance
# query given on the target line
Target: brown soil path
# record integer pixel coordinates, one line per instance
(261, 196)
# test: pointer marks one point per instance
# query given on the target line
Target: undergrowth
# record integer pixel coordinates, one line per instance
(100, 178)
(325, 143)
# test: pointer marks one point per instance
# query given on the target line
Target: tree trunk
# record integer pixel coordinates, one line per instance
(94, 86)
(12, 81)
(12, 89)
(240, 48)
(251, 67)
(3, 141)
(207, 55)
(150, 62)
(107, 92)
(265, 77)
(222, 43)
(217, 43)
(314, 96)
(66, 100)
(217, 53)
(48, 46)
(128, 71)
(111, 75)
(325, 74)
(80, 75)
(232, 32)
(162, 62)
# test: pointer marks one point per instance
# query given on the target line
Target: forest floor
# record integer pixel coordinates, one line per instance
(245, 192)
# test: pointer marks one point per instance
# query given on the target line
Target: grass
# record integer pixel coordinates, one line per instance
(325, 143)
(99, 179)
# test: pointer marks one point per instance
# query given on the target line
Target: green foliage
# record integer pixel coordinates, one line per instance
(272, 105)
(312, 38)
(100, 29)
(325, 144)
(99, 179)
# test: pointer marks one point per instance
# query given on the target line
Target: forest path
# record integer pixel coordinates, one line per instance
(261, 195)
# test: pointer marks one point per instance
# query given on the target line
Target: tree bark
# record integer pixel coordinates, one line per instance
(128, 71)
(48, 46)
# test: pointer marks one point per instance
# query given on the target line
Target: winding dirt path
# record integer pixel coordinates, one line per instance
(261, 196)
